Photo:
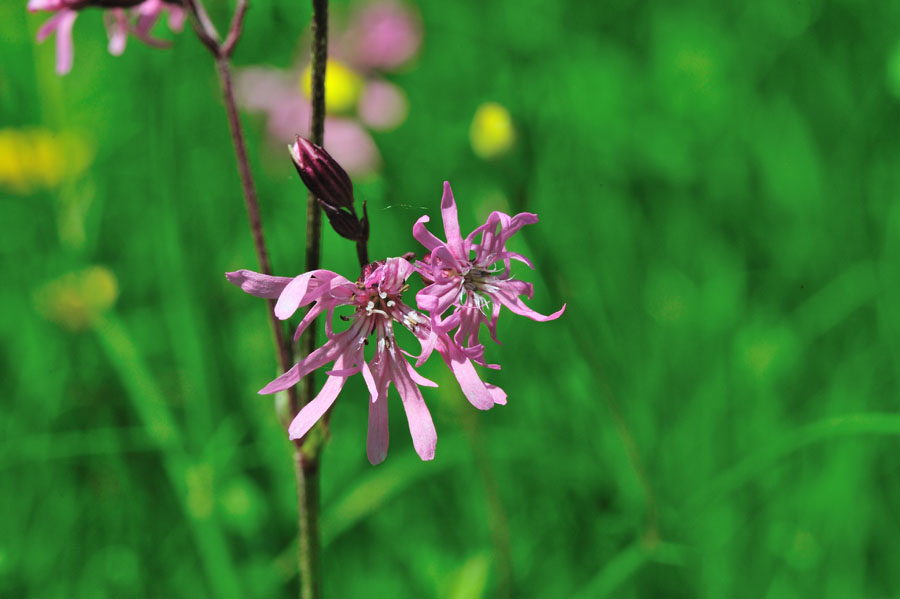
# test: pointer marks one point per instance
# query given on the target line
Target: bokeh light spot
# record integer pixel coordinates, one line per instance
(492, 132)
(39, 158)
(76, 298)
(343, 84)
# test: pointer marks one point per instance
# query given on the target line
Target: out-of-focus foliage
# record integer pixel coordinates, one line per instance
(715, 415)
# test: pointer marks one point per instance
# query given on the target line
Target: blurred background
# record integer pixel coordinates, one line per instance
(715, 415)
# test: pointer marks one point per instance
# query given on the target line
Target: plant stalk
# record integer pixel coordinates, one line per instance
(308, 452)
(252, 203)
(209, 36)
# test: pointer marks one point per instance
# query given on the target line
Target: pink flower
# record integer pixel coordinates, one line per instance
(474, 279)
(376, 298)
(118, 24)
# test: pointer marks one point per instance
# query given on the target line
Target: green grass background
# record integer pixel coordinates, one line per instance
(715, 415)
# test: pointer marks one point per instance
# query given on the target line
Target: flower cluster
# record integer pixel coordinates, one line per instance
(467, 282)
(379, 38)
(123, 17)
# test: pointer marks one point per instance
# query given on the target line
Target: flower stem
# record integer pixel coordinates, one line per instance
(306, 468)
(308, 452)
(252, 203)
(309, 546)
(207, 33)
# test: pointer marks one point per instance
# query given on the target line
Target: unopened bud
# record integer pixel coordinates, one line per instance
(345, 224)
(322, 175)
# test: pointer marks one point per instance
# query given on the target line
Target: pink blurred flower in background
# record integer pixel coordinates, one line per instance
(380, 37)
(133, 17)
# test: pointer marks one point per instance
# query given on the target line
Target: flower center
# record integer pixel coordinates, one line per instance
(380, 303)
(477, 288)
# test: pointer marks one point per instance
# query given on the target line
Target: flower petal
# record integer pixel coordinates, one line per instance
(424, 236)
(176, 18)
(419, 379)
(451, 223)
(437, 297)
(506, 256)
(329, 352)
(51, 24)
(512, 226)
(258, 284)
(118, 32)
(383, 105)
(383, 35)
(497, 393)
(517, 306)
(64, 48)
(427, 338)
(314, 410)
(471, 384)
(288, 379)
(145, 23)
(371, 385)
(310, 316)
(519, 287)
(421, 427)
(61, 24)
(295, 293)
(377, 437)
(37, 5)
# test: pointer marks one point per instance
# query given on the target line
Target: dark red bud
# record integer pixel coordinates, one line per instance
(345, 224)
(322, 175)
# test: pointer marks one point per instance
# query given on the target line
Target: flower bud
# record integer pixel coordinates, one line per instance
(322, 175)
(346, 225)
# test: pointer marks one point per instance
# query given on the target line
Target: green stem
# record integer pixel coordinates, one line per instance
(310, 543)
(282, 343)
(307, 452)
(306, 455)
(207, 33)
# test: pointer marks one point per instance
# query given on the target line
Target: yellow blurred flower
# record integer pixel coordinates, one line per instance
(39, 158)
(76, 298)
(492, 132)
(343, 84)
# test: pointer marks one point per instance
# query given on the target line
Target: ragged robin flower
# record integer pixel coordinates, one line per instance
(472, 275)
(123, 17)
